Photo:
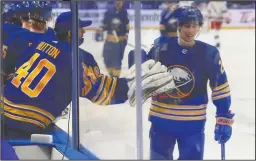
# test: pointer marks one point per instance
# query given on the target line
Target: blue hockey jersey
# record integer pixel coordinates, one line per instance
(99, 88)
(16, 44)
(111, 15)
(183, 109)
(41, 87)
(9, 29)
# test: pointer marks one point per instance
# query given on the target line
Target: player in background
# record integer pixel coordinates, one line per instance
(168, 24)
(11, 22)
(202, 6)
(179, 115)
(41, 87)
(185, 3)
(168, 27)
(217, 14)
(10, 15)
(116, 23)
(18, 41)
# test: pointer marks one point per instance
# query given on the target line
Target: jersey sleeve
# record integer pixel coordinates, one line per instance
(159, 44)
(151, 53)
(221, 95)
(104, 26)
(99, 88)
(5, 33)
(131, 57)
(10, 55)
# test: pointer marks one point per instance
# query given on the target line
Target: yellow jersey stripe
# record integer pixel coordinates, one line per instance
(179, 112)
(225, 90)
(220, 87)
(178, 118)
(111, 92)
(27, 114)
(173, 106)
(32, 108)
(221, 96)
(100, 88)
(17, 118)
(105, 91)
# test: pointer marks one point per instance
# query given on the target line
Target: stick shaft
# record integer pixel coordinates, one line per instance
(223, 157)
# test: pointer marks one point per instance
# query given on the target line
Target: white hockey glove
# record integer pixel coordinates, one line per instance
(155, 80)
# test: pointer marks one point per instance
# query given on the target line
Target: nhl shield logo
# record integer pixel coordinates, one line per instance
(184, 81)
(184, 51)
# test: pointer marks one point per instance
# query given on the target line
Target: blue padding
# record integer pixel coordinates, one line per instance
(61, 137)
(89, 154)
(60, 140)
(7, 151)
(28, 142)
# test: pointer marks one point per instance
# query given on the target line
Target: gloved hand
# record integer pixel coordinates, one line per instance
(223, 127)
(155, 80)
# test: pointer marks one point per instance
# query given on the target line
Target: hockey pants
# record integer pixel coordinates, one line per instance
(191, 147)
(113, 54)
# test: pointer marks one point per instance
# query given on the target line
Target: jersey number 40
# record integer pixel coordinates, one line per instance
(22, 72)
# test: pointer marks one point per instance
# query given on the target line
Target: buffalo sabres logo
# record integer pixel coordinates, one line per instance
(115, 23)
(184, 81)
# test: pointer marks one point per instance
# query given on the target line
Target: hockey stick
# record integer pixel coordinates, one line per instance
(115, 34)
(117, 40)
(223, 157)
(134, 45)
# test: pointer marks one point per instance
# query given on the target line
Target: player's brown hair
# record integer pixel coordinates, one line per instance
(38, 25)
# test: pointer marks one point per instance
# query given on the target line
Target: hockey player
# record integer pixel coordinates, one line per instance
(116, 23)
(168, 24)
(10, 16)
(45, 8)
(23, 9)
(217, 14)
(41, 87)
(185, 3)
(19, 40)
(179, 115)
(11, 22)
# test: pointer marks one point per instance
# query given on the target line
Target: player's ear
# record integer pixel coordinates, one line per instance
(69, 35)
(179, 29)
